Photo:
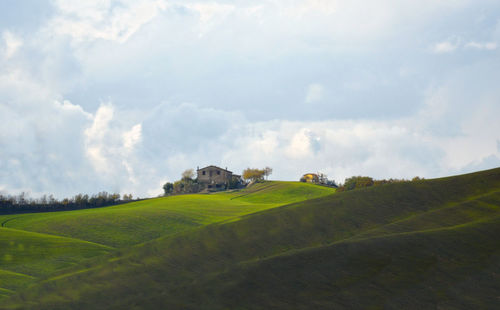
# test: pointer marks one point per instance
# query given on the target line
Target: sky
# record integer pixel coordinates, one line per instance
(123, 96)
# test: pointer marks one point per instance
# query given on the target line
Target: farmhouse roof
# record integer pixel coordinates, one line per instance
(212, 166)
(310, 174)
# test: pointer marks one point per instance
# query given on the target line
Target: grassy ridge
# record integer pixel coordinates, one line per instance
(137, 222)
(455, 267)
(11, 281)
(471, 210)
(394, 246)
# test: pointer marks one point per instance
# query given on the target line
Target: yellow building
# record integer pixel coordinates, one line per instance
(310, 178)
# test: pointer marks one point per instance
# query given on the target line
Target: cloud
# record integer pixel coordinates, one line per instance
(97, 140)
(338, 148)
(132, 137)
(312, 7)
(315, 92)
(484, 163)
(12, 43)
(482, 46)
(108, 20)
(210, 14)
(111, 145)
(445, 47)
(41, 146)
(137, 154)
(304, 143)
(452, 45)
(125, 95)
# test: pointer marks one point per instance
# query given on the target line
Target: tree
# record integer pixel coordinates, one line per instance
(187, 184)
(234, 183)
(268, 171)
(188, 174)
(253, 174)
(168, 188)
(357, 182)
(322, 178)
(178, 187)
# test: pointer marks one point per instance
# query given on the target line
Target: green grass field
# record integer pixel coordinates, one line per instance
(38, 244)
(137, 222)
(430, 244)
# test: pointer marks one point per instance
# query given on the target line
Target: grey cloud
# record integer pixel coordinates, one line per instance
(42, 151)
(185, 127)
(488, 162)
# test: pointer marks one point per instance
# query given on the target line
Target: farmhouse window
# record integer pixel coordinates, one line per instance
(204, 172)
(218, 172)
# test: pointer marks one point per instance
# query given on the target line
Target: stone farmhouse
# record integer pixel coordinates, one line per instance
(215, 178)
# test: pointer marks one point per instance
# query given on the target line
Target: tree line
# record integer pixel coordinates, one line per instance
(23, 203)
(364, 181)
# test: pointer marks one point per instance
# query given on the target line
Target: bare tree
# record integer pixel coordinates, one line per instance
(268, 171)
(188, 174)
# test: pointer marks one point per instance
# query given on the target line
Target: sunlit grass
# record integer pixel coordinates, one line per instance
(136, 222)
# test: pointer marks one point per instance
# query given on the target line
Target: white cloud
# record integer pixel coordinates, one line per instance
(482, 46)
(100, 124)
(208, 11)
(111, 143)
(72, 108)
(305, 143)
(456, 43)
(115, 21)
(12, 43)
(96, 139)
(338, 148)
(132, 137)
(475, 141)
(315, 92)
(301, 9)
(128, 156)
(445, 47)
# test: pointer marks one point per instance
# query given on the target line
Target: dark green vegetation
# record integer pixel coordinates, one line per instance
(408, 245)
(356, 182)
(24, 204)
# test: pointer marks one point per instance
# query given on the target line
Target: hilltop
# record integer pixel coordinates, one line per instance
(412, 245)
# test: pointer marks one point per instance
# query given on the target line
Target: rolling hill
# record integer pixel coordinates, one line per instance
(137, 222)
(414, 245)
(33, 246)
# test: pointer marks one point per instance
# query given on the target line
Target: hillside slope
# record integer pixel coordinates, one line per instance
(141, 221)
(34, 246)
(26, 256)
(414, 245)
